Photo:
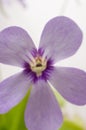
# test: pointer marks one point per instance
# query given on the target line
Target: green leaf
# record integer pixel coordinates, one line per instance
(68, 125)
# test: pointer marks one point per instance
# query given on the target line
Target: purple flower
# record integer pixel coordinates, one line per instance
(60, 39)
(4, 2)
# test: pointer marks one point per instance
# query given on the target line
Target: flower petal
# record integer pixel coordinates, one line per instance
(42, 111)
(71, 83)
(60, 38)
(13, 90)
(15, 44)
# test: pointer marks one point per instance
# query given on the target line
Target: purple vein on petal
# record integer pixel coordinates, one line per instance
(42, 112)
(13, 90)
(70, 83)
(15, 44)
(61, 37)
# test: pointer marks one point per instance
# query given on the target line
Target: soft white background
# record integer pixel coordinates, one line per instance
(34, 17)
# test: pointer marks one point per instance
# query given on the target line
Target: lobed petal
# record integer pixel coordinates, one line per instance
(70, 83)
(60, 38)
(43, 112)
(13, 90)
(15, 46)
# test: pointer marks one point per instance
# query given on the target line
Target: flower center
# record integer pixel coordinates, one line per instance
(38, 65)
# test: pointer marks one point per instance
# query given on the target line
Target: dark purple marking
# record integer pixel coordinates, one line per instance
(34, 52)
(41, 51)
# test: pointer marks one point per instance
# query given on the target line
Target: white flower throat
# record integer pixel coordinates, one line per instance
(38, 65)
